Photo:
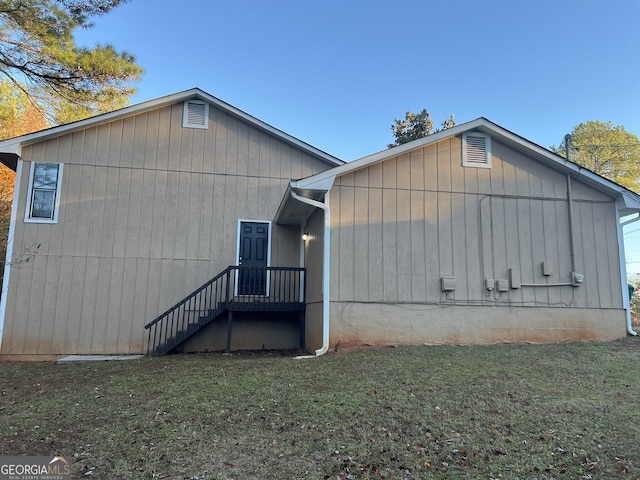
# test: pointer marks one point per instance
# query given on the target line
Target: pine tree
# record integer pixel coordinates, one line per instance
(38, 55)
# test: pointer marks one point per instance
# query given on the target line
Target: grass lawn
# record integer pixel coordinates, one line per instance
(504, 411)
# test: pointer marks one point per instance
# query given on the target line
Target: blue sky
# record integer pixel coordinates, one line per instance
(336, 73)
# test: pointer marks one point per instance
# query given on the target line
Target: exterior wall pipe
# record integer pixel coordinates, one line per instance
(567, 146)
(572, 237)
(626, 301)
(326, 261)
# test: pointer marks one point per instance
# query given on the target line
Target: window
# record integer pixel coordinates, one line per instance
(476, 150)
(195, 114)
(43, 201)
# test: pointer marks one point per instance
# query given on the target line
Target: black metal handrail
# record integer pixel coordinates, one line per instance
(241, 287)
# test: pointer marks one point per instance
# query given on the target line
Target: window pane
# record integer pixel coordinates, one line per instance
(42, 203)
(45, 175)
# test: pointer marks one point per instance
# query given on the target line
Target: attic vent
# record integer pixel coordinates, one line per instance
(476, 150)
(196, 114)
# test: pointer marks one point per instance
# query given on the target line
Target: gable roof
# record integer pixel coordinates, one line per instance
(316, 185)
(10, 149)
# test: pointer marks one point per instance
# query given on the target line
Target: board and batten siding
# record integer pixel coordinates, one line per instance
(400, 225)
(148, 212)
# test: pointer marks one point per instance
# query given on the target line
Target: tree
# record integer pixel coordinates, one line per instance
(606, 149)
(7, 180)
(18, 116)
(45, 78)
(38, 55)
(415, 126)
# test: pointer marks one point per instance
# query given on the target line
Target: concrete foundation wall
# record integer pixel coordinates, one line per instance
(278, 332)
(313, 329)
(406, 324)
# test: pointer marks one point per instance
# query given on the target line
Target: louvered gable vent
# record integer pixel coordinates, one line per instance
(196, 114)
(476, 150)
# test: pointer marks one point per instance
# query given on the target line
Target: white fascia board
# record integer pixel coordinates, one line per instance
(485, 126)
(505, 136)
(628, 203)
(270, 129)
(385, 154)
(552, 159)
(11, 147)
(406, 147)
(160, 102)
(104, 117)
(324, 182)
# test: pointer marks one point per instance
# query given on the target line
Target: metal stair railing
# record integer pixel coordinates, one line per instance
(238, 287)
(189, 315)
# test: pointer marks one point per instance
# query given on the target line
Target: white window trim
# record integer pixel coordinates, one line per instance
(56, 202)
(185, 115)
(465, 161)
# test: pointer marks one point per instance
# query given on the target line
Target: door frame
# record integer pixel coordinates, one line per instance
(240, 222)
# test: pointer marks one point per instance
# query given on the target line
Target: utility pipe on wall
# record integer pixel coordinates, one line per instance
(567, 143)
(626, 301)
(572, 238)
(326, 261)
(564, 284)
(623, 271)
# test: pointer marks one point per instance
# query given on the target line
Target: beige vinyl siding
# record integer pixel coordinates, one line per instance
(148, 212)
(402, 224)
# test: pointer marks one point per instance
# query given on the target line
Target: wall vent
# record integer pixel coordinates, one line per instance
(476, 150)
(196, 114)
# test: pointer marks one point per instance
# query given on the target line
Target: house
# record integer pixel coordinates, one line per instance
(175, 225)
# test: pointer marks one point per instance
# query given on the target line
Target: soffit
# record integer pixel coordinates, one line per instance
(294, 212)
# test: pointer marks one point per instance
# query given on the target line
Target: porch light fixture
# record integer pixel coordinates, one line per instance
(305, 236)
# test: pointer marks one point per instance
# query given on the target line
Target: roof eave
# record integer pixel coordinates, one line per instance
(270, 129)
(628, 203)
(14, 145)
(485, 126)
(294, 212)
(42, 135)
(385, 154)
(553, 160)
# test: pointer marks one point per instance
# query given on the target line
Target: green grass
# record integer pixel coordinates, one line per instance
(505, 411)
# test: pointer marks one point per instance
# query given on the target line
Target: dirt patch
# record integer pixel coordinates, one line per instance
(629, 342)
(356, 347)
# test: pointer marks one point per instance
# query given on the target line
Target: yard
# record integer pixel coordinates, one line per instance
(505, 411)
